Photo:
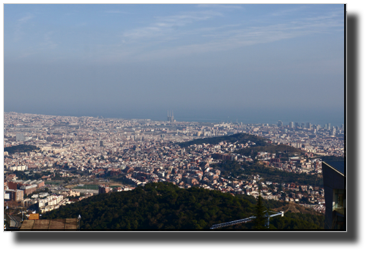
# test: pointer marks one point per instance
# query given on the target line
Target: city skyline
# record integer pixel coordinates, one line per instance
(222, 62)
(95, 156)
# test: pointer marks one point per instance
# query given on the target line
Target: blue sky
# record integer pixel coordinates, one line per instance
(142, 60)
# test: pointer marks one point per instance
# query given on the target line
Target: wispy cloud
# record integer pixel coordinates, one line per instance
(184, 34)
(221, 6)
(18, 31)
(288, 11)
(168, 24)
(116, 11)
(48, 42)
(25, 18)
(239, 36)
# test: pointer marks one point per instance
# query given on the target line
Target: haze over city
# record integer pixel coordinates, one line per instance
(251, 63)
(174, 117)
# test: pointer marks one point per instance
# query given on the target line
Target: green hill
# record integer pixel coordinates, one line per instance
(158, 206)
(284, 150)
(240, 138)
(235, 169)
(21, 148)
(261, 145)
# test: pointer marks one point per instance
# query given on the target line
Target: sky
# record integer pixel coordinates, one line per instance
(220, 62)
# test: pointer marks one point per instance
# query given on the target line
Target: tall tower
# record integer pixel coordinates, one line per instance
(170, 116)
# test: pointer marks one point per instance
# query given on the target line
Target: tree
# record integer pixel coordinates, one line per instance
(260, 220)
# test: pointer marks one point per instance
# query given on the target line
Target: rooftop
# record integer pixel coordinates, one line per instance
(50, 225)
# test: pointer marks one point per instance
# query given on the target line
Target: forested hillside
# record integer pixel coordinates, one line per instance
(20, 148)
(234, 169)
(284, 150)
(162, 206)
(239, 138)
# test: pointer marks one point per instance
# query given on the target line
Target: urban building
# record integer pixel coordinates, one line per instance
(15, 195)
(103, 189)
(28, 189)
(335, 195)
(20, 137)
(170, 117)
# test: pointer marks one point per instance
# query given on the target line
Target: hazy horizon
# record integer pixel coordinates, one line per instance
(196, 116)
(219, 62)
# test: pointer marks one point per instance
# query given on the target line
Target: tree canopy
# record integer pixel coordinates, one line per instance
(157, 206)
(21, 148)
(239, 138)
(260, 212)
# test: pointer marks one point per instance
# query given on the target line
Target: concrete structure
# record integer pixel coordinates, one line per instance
(335, 195)
(103, 189)
(170, 117)
(13, 222)
(29, 189)
(15, 195)
(16, 184)
(50, 225)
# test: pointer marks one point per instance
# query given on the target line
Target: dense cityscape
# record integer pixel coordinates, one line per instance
(73, 158)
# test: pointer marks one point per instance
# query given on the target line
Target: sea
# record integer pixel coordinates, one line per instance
(335, 118)
(249, 116)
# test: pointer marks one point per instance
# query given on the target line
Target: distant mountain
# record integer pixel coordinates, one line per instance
(162, 206)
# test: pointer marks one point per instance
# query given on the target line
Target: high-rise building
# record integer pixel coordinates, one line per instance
(291, 124)
(334, 131)
(103, 189)
(15, 195)
(170, 116)
(279, 123)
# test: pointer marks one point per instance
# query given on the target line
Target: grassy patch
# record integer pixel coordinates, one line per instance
(91, 187)
(52, 183)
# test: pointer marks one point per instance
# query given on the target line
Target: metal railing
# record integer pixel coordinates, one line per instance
(245, 220)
